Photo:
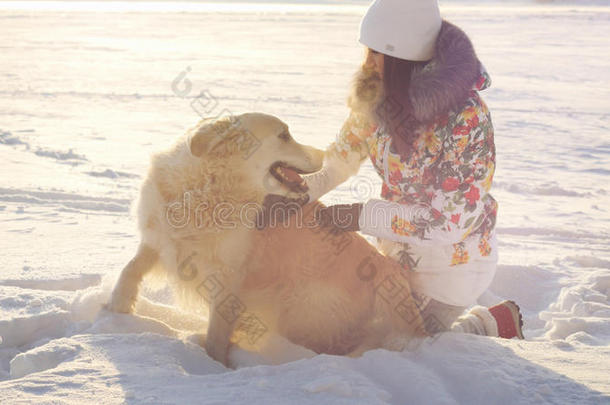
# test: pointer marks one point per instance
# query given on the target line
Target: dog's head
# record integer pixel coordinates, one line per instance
(261, 147)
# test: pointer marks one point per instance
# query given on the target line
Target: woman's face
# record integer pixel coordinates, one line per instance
(374, 61)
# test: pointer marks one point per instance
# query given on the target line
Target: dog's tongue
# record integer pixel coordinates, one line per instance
(294, 180)
(291, 175)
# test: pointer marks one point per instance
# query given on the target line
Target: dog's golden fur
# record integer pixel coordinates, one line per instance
(332, 293)
(196, 214)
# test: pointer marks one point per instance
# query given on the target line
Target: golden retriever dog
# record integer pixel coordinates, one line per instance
(197, 214)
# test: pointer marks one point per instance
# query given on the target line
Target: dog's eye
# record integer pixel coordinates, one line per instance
(284, 136)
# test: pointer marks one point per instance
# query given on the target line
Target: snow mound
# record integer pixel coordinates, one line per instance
(128, 323)
(590, 261)
(581, 308)
(20, 331)
(88, 303)
(531, 286)
(116, 365)
(43, 358)
(149, 368)
(147, 360)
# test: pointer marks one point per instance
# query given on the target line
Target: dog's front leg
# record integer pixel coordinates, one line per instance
(218, 336)
(224, 315)
(226, 308)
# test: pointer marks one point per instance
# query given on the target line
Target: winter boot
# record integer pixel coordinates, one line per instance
(509, 319)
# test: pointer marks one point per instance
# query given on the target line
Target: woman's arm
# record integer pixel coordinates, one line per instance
(342, 158)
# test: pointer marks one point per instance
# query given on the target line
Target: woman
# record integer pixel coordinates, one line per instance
(416, 113)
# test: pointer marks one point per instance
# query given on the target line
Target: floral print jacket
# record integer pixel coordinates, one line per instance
(435, 204)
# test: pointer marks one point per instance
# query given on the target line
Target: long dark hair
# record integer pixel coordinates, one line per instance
(394, 111)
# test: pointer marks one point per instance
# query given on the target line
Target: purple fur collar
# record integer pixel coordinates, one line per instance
(444, 83)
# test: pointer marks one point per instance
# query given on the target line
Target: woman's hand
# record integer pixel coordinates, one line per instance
(340, 217)
(278, 208)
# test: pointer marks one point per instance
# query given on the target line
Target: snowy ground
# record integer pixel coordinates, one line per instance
(85, 97)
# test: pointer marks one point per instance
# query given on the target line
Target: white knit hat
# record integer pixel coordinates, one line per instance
(405, 29)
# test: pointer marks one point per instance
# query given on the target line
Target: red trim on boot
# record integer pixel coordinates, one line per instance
(508, 319)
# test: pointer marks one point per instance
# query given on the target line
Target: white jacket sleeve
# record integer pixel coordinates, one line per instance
(342, 158)
(405, 223)
(419, 224)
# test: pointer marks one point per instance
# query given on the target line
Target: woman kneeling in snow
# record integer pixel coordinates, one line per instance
(416, 112)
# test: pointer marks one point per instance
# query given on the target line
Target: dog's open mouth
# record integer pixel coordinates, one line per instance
(289, 176)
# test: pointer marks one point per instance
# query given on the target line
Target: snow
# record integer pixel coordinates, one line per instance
(88, 96)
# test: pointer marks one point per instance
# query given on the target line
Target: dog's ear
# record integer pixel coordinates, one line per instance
(210, 133)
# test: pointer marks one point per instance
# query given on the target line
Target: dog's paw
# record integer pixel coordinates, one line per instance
(217, 352)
